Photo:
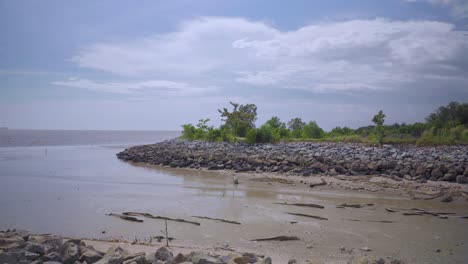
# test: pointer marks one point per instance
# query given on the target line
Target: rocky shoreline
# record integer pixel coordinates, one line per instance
(413, 163)
(21, 247)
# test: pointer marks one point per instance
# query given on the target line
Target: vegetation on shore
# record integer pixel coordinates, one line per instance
(448, 125)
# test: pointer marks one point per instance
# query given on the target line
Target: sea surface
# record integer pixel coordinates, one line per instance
(66, 182)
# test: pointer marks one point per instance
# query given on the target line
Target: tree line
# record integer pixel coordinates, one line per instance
(447, 125)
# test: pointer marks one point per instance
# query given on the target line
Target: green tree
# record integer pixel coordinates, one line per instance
(379, 120)
(240, 119)
(312, 130)
(275, 123)
(296, 125)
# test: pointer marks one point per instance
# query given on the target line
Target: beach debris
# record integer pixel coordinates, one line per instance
(160, 217)
(126, 217)
(323, 182)
(273, 180)
(353, 205)
(390, 210)
(219, 219)
(235, 180)
(277, 238)
(160, 238)
(304, 205)
(370, 221)
(310, 216)
(365, 249)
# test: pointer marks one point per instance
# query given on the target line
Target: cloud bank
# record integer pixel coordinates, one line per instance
(330, 57)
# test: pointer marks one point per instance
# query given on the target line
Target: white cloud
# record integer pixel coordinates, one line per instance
(355, 55)
(152, 87)
(459, 7)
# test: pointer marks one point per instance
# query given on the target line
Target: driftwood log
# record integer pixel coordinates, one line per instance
(219, 220)
(126, 217)
(304, 205)
(310, 216)
(277, 238)
(160, 217)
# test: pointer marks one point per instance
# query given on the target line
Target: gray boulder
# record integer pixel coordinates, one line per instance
(462, 179)
(70, 252)
(202, 258)
(114, 255)
(90, 256)
(34, 248)
(7, 258)
(177, 259)
(163, 254)
(436, 173)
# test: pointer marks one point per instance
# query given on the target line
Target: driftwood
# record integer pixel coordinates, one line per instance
(311, 216)
(304, 205)
(160, 238)
(126, 217)
(417, 211)
(353, 205)
(369, 221)
(312, 185)
(219, 219)
(390, 210)
(277, 238)
(160, 217)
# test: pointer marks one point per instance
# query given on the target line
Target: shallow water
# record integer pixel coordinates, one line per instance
(69, 189)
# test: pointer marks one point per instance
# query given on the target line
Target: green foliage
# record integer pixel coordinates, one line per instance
(378, 120)
(312, 130)
(264, 134)
(188, 132)
(275, 123)
(241, 119)
(296, 125)
(448, 125)
(452, 115)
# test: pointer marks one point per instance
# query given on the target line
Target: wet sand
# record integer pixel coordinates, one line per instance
(69, 191)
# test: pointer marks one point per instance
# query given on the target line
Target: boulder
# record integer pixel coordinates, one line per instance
(203, 258)
(177, 259)
(7, 258)
(34, 248)
(436, 173)
(90, 256)
(137, 259)
(52, 256)
(237, 259)
(31, 256)
(462, 179)
(163, 254)
(70, 252)
(114, 255)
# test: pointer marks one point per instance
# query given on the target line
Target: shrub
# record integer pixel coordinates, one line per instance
(312, 130)
(251, 136)
(188, 131)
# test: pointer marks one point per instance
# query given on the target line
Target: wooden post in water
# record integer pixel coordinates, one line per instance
(167, 236)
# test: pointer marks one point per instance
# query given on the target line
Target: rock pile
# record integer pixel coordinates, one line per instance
(22, 248)
(444, 163)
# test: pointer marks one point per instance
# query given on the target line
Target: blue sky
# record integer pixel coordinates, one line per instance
(159, 64)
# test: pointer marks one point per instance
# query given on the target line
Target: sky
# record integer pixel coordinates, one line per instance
(154, 65)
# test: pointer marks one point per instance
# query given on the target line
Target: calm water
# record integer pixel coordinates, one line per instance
(65, 182)
(15, 138)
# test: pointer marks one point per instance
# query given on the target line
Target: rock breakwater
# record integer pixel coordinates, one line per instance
(442, 163)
